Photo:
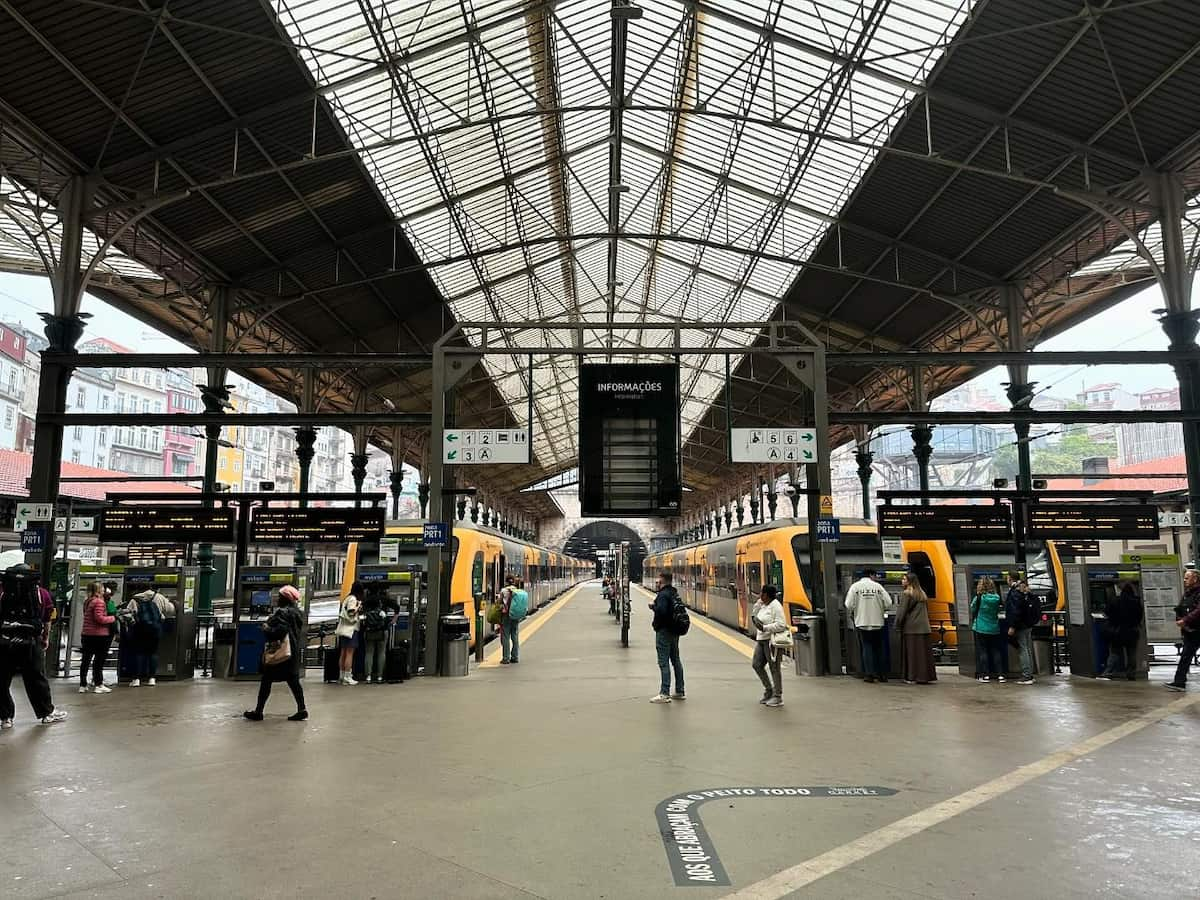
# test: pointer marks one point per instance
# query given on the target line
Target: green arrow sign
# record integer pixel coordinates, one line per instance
(451, 437)
(808, 454)
(453, 454)
(807, 436)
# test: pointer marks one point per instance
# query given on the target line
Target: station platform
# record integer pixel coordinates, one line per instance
(556, 778)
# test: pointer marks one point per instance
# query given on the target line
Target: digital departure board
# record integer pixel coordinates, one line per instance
(968, 523)
(166, 525)
(1093, 521)
(333, 525)
(1077, 548)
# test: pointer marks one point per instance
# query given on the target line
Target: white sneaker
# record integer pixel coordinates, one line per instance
(59, 715)
(6, 723)
(83, 689)
(135, 683)
(660, 698)
(102, 689)
(1000, 678)
(151, 683)
(678, 696)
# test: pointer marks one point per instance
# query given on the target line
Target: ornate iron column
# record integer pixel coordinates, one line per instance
(396, 483)
(863, 457)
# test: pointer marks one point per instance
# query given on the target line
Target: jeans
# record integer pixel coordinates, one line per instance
(29, 660)
(293, 682)
(871, 642)
(145, 655)
(95, 653)
(989, 654)
(1025, 649)
(1191, 644)
(667, 646)
(1122, 659)
(510, 639)
(374, 655)
(765, 656)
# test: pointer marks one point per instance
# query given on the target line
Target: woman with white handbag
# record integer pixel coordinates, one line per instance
(283, 658)
(773, 640)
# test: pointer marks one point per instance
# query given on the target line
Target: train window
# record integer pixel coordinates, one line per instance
(754, 578)
(332, 568)
(922, 567)
(477, 574)
(773, 569)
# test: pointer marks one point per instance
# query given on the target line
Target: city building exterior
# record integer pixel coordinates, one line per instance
(183, 452)
(12, 385)
(135, 450)
(90, 391)
(1142, 442)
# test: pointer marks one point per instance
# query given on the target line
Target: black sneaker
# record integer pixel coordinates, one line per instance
(253, 715)
(1178, 688)
(299, 715)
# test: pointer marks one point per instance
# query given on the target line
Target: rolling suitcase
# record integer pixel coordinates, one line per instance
(395, 663)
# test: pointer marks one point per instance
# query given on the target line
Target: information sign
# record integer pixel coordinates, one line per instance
(893, 550)
(484, 446)
(166, 525)
(968, 523)
(1077, 548)
(436, 534)
(1093, 521)
(33, 539)
(78, 523)
(316, 525)
(32, 512)
(829, 531)
(773, 445)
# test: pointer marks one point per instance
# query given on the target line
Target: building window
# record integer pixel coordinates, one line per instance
(102, 437)
(79, 432)
(81, 398)
(146, 377)
(104, 402)
(75, 456)
(9, 416)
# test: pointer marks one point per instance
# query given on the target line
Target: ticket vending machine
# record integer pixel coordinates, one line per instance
(398, 587)
(177, 647)
(1089, 589)
(965, 579)
(889, 579)
(109, 575)
(257, 590)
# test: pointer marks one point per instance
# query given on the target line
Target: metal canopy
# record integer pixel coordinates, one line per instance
(362, 175)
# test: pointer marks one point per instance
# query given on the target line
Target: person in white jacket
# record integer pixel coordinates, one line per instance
(866, 604)
(769, 620)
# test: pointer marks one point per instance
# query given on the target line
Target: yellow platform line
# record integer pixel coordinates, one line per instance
(492, 657)
(729, 640)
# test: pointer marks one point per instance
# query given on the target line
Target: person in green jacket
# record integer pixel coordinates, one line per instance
(985, 622)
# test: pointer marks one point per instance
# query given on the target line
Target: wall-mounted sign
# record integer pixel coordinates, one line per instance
(435, 534)
(331, 524)
(32, 512)
(629, 440)
(166, 525)
(967, 523)
(484, 446)
(1092, 521)
(773, 445)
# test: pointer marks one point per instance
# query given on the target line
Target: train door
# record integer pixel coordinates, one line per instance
(742, 586)
(702, 580)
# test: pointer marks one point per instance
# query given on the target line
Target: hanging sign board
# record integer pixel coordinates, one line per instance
(773, 445)
(332, 524)
(967, 523)
(629, 440)
(1093, 521)
(484, 446)
(166, 525)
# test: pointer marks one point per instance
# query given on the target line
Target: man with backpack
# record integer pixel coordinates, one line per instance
(1021, 613)
(24, 636)
(670, 623)
(150, 609)
(514, 602)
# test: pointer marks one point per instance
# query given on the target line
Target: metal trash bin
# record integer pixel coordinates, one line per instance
(224, 637)
(456, 640)
(1043, 656)
(808, 647)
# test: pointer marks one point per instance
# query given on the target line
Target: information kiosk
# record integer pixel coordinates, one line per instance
(1088, 589)
(110, 575)
(177, 647)
(257, 591)
(398, 587)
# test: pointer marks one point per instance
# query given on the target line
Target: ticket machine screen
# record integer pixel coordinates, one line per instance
(260, 600)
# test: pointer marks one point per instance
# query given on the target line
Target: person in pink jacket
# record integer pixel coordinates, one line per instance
(96, 638)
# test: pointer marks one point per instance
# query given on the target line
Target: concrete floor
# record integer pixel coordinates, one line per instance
(542, 780)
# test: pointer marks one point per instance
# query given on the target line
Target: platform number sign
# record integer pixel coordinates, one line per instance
(484, 446)
(773, 445)
(829, 531)
(436, 534)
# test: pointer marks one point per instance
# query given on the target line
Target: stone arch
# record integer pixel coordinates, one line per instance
(584, 541)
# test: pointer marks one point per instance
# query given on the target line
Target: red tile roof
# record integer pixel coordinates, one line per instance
(1153, 466)
(15, 468)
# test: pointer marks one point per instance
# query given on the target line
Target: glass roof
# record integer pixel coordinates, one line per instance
(490, 128)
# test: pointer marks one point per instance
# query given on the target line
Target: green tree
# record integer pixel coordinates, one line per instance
(1064, 458)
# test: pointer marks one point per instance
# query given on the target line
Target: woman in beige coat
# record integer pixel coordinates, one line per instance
(912, 621)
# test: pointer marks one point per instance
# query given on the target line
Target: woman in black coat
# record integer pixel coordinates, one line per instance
(285, 623)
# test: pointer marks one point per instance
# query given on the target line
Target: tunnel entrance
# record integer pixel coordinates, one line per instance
(584, 542)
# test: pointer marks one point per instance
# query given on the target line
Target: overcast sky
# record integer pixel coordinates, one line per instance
(1128, 326)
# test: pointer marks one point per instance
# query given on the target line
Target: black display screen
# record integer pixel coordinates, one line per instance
(166, 525)
(1093, 521)
(968, 523)
(1077, 548)
(316, 525)
(629, 440)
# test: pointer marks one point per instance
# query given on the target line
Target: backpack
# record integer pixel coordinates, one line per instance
(20, 608)
(680, 620)
(375, 622)
(518, 606)
(148, 614)
(1030, 613)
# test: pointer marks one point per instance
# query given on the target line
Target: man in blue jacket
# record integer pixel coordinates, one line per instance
(1020, 612)
(666, 641)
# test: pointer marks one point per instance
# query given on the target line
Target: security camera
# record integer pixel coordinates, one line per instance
(790, 490)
